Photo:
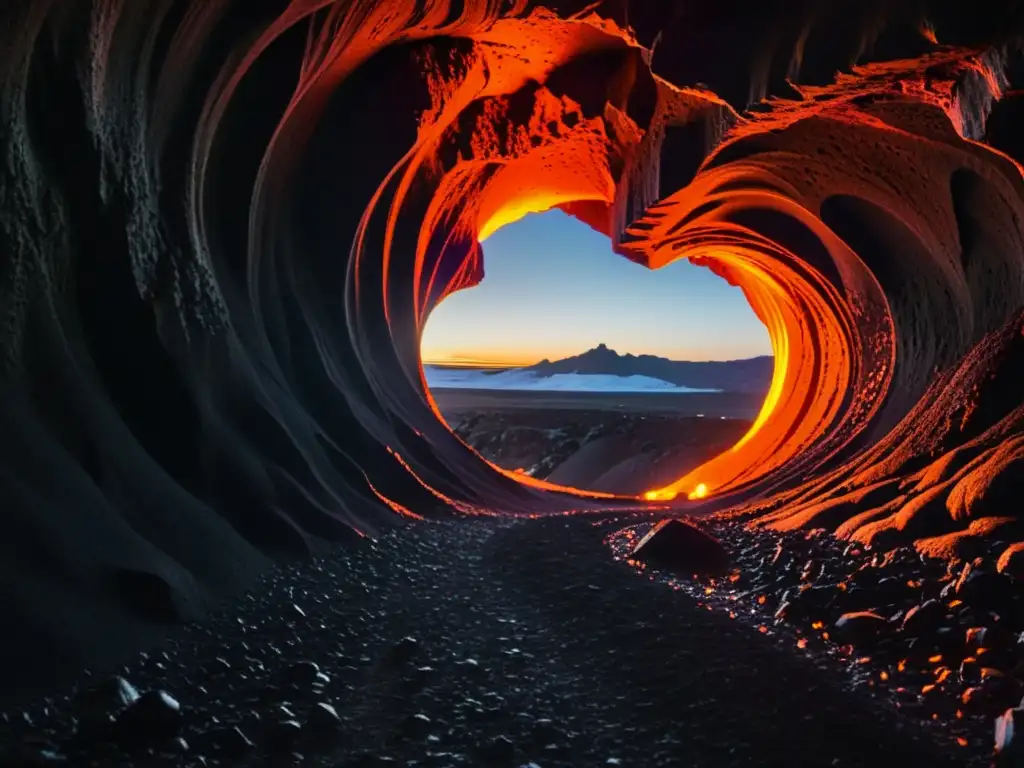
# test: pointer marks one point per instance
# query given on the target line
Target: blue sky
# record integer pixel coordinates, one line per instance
(554, 288)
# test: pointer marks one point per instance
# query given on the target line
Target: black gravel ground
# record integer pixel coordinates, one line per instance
(481, 643)
(940, 640)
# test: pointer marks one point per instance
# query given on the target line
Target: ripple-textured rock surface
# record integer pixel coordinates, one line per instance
(222, 230)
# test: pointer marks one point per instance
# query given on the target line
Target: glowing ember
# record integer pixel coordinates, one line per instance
(662, 495)
(699, 492)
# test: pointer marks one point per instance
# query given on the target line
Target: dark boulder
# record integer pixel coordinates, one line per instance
(301, 673)
(498, 751)
(812, 603)
(154, 718)
(985, 590)
(401, 652)
(106, 698)
(924, 618)
(323, 719)
(282, 736)
(991, 695)
(859, 628)
(229, 741)
(684, 549)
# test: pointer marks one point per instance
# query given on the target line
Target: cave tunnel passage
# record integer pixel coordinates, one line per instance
(571, 364)
(223, 235)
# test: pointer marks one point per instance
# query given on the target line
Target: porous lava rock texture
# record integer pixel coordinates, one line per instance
(223, 224)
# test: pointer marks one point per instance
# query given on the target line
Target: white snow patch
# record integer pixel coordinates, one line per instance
(522, 380)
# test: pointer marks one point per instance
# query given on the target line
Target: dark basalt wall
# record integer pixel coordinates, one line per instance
(223, 224)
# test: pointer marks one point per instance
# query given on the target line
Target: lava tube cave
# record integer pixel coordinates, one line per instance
(225, 224)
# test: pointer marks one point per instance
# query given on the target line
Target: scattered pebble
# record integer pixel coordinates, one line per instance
(481, 643)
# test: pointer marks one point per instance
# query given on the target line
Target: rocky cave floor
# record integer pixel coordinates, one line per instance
(526, 643)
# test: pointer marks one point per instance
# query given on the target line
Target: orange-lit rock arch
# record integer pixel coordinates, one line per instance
(225, 222)
(774, 208)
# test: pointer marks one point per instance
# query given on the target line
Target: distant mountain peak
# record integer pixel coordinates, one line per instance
(750, 375)
(600, 349)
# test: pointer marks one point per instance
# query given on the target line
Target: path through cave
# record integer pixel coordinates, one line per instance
(223, 224)
(531, 647)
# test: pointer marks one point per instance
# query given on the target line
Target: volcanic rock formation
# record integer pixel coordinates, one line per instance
(224, 224)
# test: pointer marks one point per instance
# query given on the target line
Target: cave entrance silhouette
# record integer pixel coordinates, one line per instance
(554, 290)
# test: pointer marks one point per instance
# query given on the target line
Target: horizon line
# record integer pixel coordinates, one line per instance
(466, 361)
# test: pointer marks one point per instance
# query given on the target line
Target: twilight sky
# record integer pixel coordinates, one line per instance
(554, 288)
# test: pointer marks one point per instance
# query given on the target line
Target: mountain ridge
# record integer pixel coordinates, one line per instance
(746, 375)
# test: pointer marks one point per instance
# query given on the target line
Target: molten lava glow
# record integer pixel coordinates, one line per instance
(518, 209)
(519, 110)
(663, 495)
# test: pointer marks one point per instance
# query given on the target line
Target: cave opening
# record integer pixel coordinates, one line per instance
(571, 364)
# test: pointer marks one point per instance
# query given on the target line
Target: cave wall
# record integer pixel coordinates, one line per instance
(223, 230)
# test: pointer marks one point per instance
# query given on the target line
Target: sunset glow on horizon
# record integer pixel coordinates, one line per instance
(553, 288)
(480, 362)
